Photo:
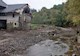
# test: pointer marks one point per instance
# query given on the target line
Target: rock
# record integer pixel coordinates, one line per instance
(48, 48)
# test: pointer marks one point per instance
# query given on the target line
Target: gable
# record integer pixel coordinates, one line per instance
(4, 8)
(2, 4)
(12, 8)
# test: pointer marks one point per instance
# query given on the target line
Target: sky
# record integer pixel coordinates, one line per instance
(36, 4)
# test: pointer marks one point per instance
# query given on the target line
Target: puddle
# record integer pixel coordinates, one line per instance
(48, 48)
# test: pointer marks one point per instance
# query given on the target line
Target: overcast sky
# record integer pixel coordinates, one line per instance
(36, 4)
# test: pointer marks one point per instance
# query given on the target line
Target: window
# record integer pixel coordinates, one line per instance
(13, 15)
(15, 24)
(2, 14)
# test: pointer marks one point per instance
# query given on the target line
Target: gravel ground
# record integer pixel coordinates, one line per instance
(17, 42)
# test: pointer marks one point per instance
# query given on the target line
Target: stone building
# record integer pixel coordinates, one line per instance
(14, 16)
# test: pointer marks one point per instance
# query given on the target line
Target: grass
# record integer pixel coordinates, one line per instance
(37, 26)
(34, 26)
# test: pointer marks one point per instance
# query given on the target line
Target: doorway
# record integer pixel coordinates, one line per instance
(3, 24)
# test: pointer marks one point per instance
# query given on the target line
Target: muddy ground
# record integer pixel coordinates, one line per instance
(16, 43)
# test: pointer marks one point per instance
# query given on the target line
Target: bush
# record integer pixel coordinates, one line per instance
(62, 22)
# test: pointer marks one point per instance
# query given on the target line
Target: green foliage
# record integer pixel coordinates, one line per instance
(41, 17)
(54, 16)
(73, 10)
(34, 26)
(66, 14)
(61, 21)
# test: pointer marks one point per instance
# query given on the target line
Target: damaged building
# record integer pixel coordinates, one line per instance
(14, 16)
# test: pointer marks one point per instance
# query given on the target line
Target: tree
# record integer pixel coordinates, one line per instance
(55, 15)
(73, 10)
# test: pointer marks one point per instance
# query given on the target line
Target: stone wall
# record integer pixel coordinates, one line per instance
(24, 21)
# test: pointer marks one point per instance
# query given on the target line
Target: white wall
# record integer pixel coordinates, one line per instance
(11, 19)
